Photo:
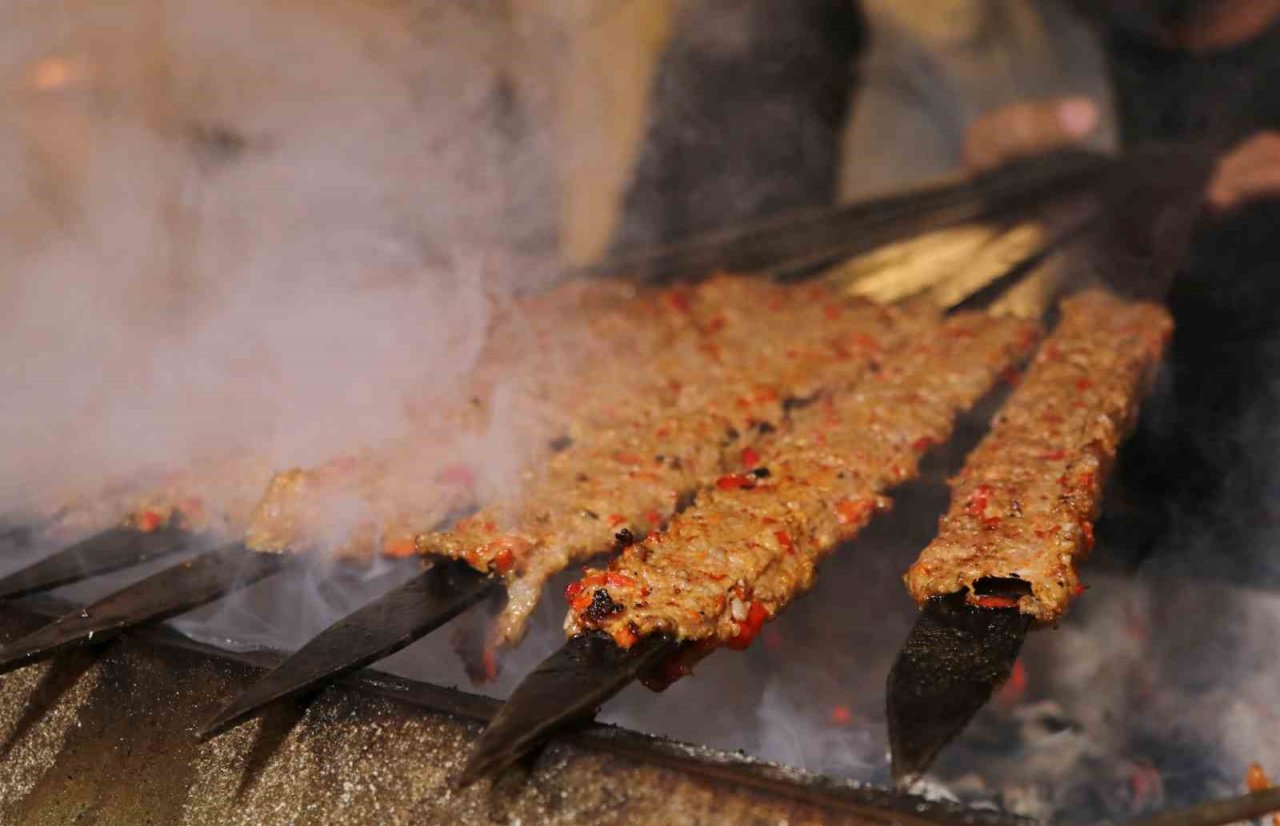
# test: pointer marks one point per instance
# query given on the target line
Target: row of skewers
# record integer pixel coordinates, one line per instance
(717, 440)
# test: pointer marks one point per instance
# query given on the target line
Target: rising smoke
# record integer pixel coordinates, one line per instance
(255, 226)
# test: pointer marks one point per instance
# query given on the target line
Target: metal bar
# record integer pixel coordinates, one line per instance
(170, 592)
(568, 686)
(954, 658)
(101, 553)
(378, 629)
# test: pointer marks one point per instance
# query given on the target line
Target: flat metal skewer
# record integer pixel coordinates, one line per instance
(376, 630)
(568, 686)
(170, 592)
(955, 657)
(110, 550)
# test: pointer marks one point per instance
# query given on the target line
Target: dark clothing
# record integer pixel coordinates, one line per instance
(1166, 94)
(745, 119)
(1208, 443)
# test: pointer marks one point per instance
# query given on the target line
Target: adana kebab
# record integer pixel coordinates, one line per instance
(772, 345)
(575, 370)
(527, 359)
(1024, 504)
(765, 352)
(743, 551)
(750, 544)
(1020, 521)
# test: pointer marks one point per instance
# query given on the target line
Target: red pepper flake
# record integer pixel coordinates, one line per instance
(854, 511)
(784, 539)
(628, 458)
(572, 590)
(1079, 589)
(922, 444)
(991, 523)
(978, 501)
(1086, 527)
(1087, 479)
(841, 715)
(1084, 384)
(1054, 455)
(504, 560)
(680, 299)
(750, 458)
(736, 481)
(654, 518)
(149, 520)
(749, 628)
(399, 546)
(624, 637)
(991, 601)
(616, 519)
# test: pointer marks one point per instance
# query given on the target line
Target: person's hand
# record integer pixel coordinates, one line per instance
(1022, 130)
(1249, 172)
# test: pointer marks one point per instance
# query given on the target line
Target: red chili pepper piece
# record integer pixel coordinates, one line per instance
(399, 546)
(736, 481)
(978, 501)
(757, 614)
(854, 511)
(987, 601)
(750, 458)
(784, 539)
(149, 521)
(504, 560)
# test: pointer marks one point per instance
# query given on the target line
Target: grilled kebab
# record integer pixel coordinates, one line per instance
(750, 544)
(1024, 504)
(768, 349)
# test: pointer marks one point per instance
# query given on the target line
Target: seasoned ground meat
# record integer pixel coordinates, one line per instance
(767, 350)
(751, 542)
(1024, 504)
(552, 366)
(216, 495)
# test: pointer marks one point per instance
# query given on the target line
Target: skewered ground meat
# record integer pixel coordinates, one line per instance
(216, 495)
(747, 548)
(1024, 504)
(555, 364)
(766, 346)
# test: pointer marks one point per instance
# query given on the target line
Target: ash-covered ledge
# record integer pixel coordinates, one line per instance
(110, 739)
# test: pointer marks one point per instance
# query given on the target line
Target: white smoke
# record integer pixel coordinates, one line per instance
(253, 226)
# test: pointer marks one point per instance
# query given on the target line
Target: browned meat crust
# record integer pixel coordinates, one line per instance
(1024, 504)
(750, 544)
(539, 359)
(763, 347)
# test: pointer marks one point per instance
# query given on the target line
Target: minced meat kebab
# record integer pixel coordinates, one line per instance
(1024, 504)
(772, 349)
(751, 542)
